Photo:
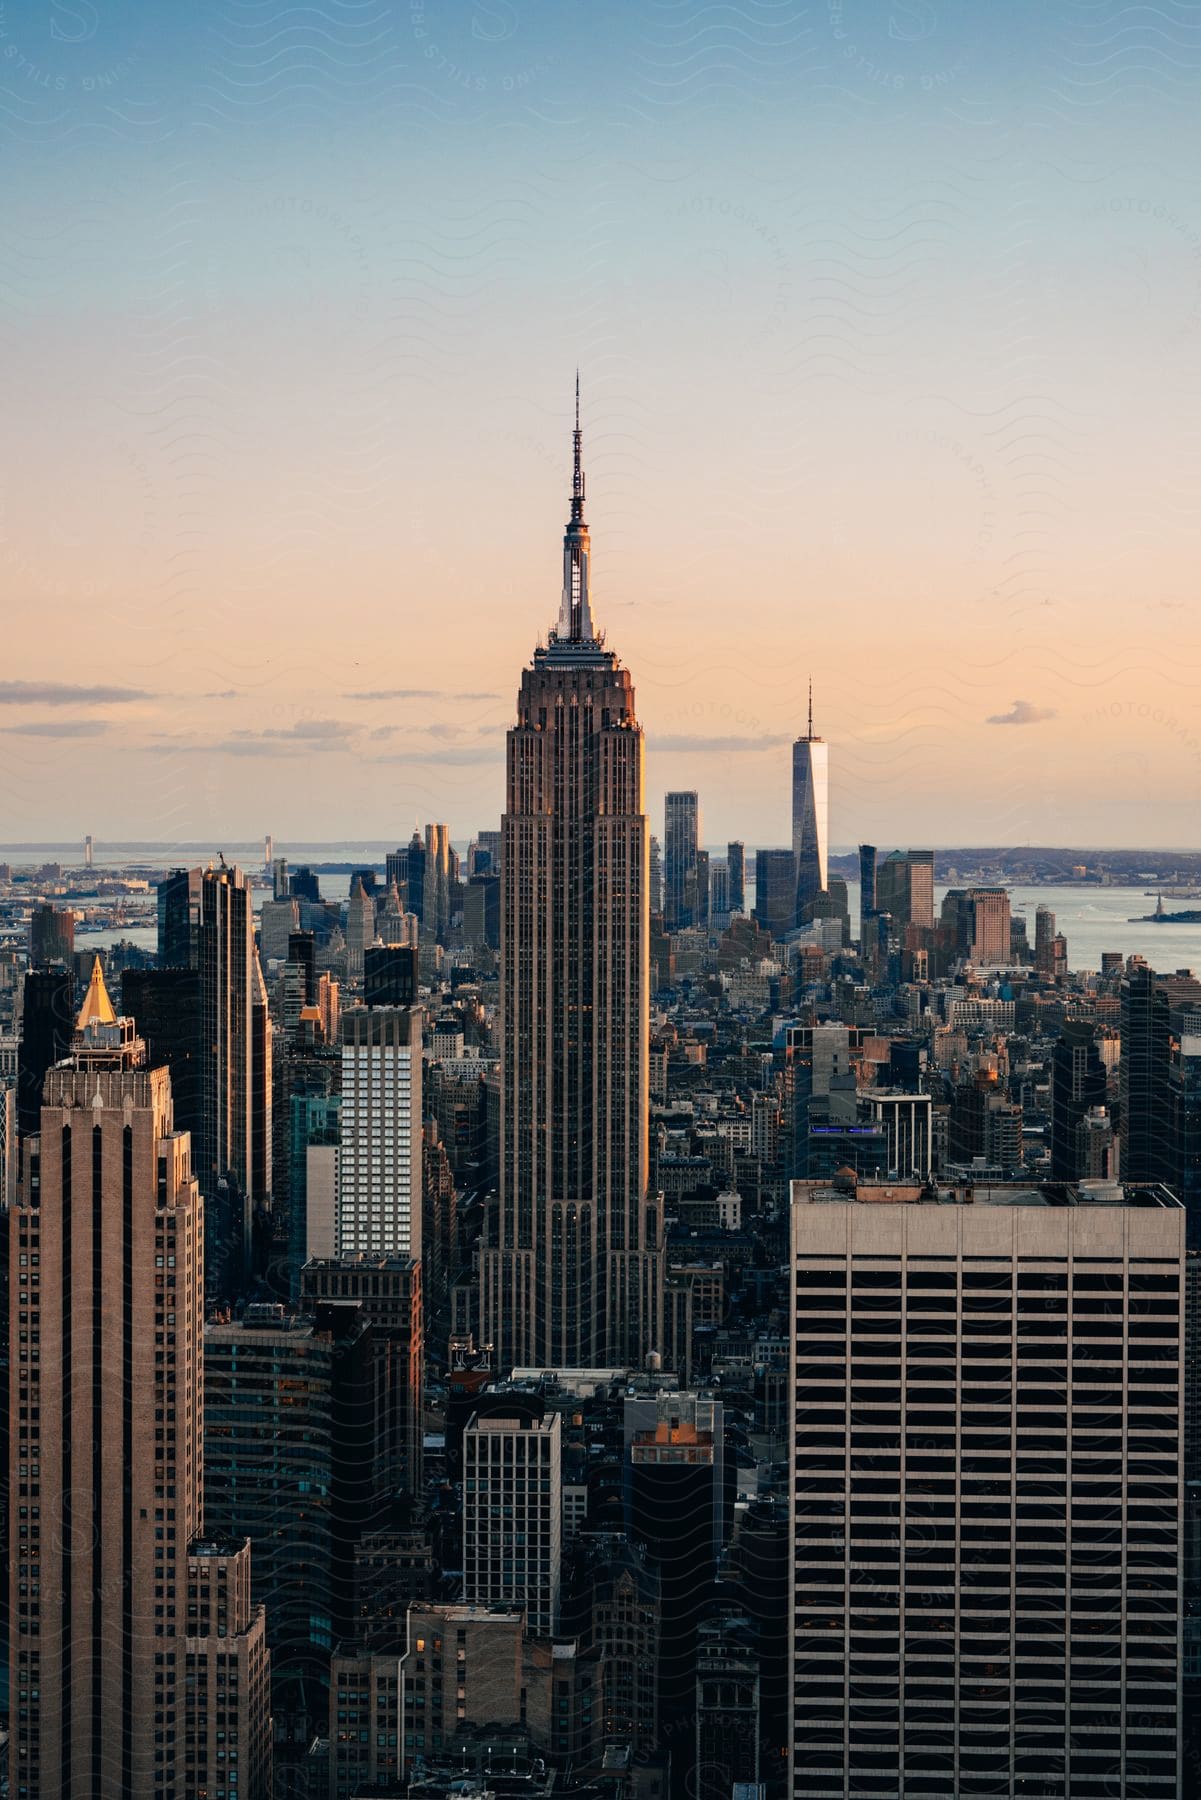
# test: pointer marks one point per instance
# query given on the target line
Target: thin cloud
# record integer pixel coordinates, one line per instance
(65, 693)
(447, 758)
(57, 728)
(1022, 712)
(396, 694)
(301, 728)
(725, 746)
(415, 694)
(253, 746)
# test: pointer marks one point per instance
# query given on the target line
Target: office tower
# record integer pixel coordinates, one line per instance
(278, 921)
(775, 891)
(436, 915)
(959, 1628)
(719, 894)
(8, 1140)
(390, 975)
(360, 928)
(571, 1263)
(227, 1723)
(698, 895)
(47, 1022)
(1095, 1155)
(233, 1156)
(277, 867)
(493, 842)
(1153, 1011)
(1184, 1112)
(1077, 1087)
(481, 911)
(302, 954)
(393, 924)
(615, 1607)
(834, 904)
(179, 919)
(512, 1515)
(461, 1688)
(736, 863)
(905, 887)
(89, 851)
(379, 1168)
(820, 1084)
(289, 1448)
(51, 935)
(672, 1501)
(655, 875)
(414, 879)
(488, 1653)
(681, 837)
(727, 1705)
(314, 1140)
(106, 1463)
(388, 1290)
(165, 1005)
(906, 1119)
(978, 924)
(810, 816)
(304, 884)
(1044, 942)
(867, 887)
(985, 1125)
(439, 1219)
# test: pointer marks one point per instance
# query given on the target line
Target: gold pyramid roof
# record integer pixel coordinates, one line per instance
(97, 1008)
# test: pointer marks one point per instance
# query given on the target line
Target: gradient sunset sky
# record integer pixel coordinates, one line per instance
(888, 318)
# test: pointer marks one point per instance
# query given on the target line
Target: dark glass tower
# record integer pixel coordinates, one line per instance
(47, 1024)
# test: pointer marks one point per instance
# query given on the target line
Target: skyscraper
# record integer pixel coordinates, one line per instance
(974, 1610)
(736, 863)
(46, 1019)
(234, 1151)
(513, 1514)
(810, 815)
(905, 887)
(360, 928)
(775, 890)
(681, 836)
(572, 1259)
(656, 875)
(379, 1167)
(1077, 1086)
(867, 888)
(436, 918)
(105, 1471)
(179, 919)
(51, 935)
(1152, 1012)
(1044, 943)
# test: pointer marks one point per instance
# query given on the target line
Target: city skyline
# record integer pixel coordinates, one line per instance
(524, 1279)
(887, 332)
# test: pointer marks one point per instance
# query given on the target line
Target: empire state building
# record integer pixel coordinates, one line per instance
(572, 1262)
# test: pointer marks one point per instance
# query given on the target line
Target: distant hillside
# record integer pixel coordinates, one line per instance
(1037, 862)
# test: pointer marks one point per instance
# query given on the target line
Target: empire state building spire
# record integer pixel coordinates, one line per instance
(571, 1259)
(575, 611)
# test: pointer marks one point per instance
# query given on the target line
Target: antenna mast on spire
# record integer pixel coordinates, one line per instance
(575, 613)
(810, 706)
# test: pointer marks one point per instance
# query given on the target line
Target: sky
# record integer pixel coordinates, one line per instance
(888, 322)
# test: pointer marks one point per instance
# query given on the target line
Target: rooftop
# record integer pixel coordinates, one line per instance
(845, 1187)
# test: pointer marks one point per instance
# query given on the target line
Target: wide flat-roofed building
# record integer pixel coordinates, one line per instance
(986, 1496)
